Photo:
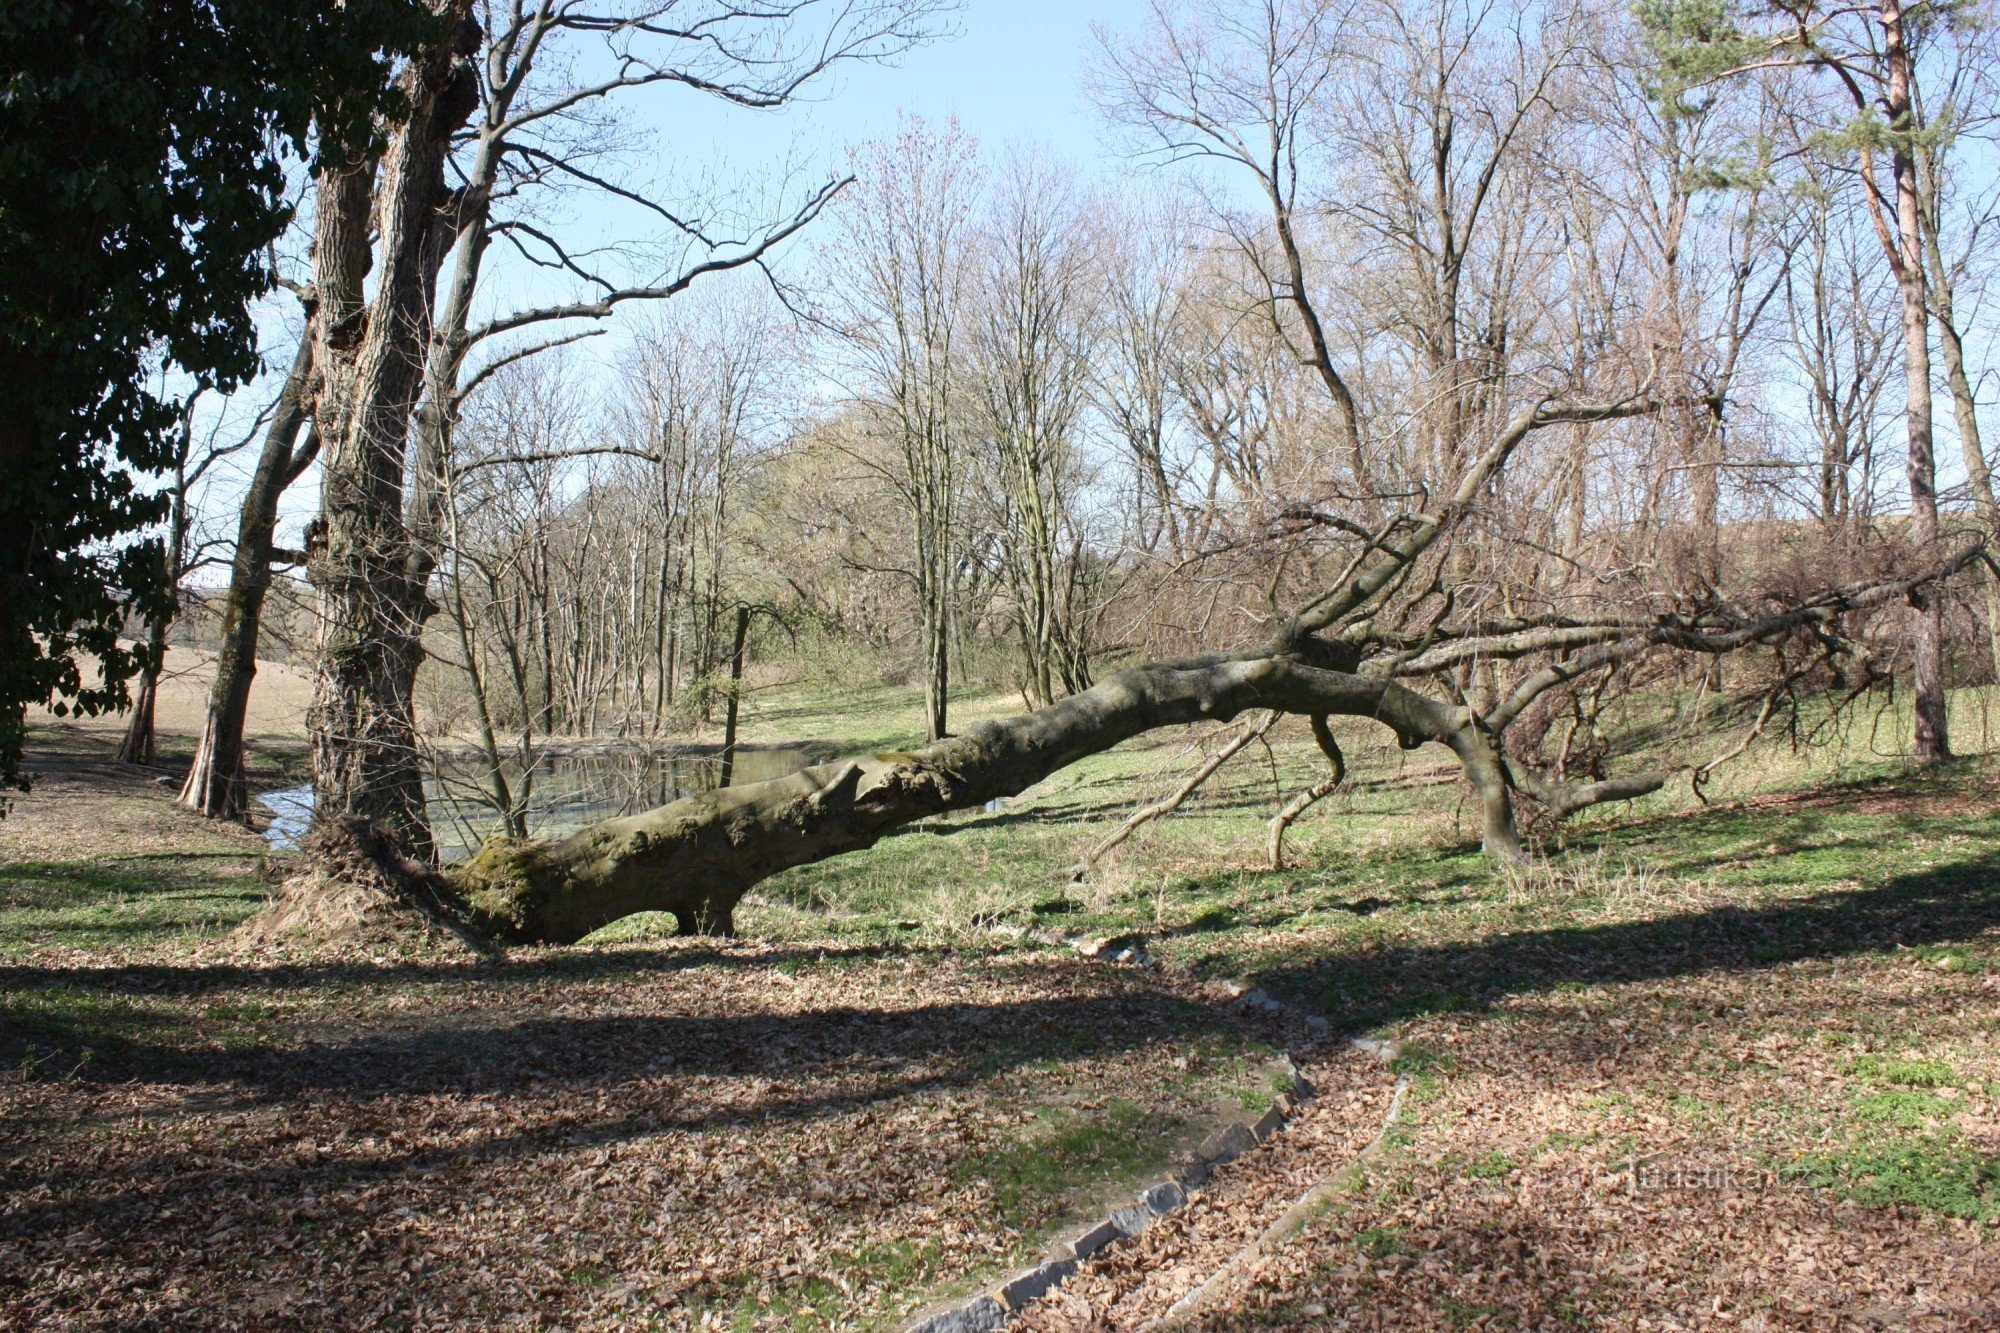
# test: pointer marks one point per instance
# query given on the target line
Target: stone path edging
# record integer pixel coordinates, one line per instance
(992, 1308)
(1226, 1278)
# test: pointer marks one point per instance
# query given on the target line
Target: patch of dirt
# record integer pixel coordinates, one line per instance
(83, 803)
(640, 1135)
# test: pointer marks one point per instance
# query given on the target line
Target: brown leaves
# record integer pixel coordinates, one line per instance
(659, 1133)
(1514, 1202)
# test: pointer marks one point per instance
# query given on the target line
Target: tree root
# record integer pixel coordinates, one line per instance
(358, 887)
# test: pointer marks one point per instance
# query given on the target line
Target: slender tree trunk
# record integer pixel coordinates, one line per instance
(137, 745)
(499, 792)
(1978, 475)
(735, 698)
(1965, 413)
(934, 592)
(216, 785)
(1933, 734)
(1307, 798)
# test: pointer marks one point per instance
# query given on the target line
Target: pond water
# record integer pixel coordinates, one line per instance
(565, 790)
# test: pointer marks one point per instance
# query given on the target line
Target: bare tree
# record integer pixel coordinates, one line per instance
(1148, 264)
(1868, 53)
(1842, 342)
(1954, 203)
(185, 550)
(1242, 85)
(900, 268)
(390, 358)
(1033, 336)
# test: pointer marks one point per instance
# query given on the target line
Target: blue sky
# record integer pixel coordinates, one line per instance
(1009, 71)
(1012, 71)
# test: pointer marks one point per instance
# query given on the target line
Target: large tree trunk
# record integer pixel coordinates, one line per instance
(216, 785)
(372, 575)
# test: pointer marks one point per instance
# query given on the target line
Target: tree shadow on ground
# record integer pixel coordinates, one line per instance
(575, 963)
(570, 1081)
(1376, 983)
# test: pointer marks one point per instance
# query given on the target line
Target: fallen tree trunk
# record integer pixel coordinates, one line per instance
(698, 856)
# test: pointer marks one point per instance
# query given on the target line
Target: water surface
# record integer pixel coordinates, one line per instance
(562, 791)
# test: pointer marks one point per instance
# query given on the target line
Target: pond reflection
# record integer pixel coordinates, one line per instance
(564, 790)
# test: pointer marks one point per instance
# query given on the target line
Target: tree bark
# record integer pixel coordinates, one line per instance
(371, 574)
(136, 746)
(1933, 735)
(216, 785)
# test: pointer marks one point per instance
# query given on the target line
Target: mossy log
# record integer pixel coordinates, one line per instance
(698, 856)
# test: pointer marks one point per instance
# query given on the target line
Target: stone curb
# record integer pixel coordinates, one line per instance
(1287, 1224)
(992, 1308)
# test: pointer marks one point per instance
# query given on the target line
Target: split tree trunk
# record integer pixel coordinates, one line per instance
(398, 217)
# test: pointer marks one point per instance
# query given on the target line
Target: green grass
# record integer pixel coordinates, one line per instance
(118, 903)
(1899, 1143)
(1031, 1180)
(1910, 1073)
(1491, 1166)
(898, 1265)
(1391, 917)
(1938, 1171)
(1380, 1242)
(1904, 1108)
